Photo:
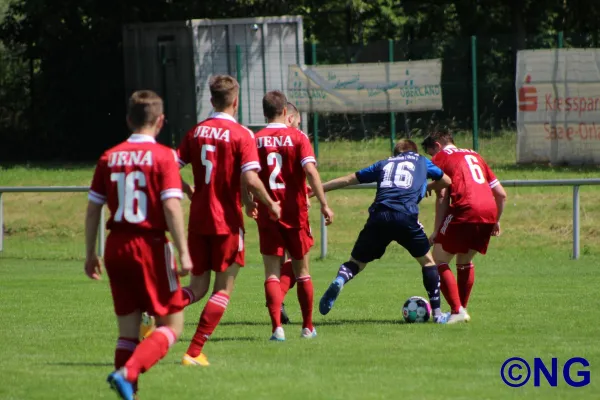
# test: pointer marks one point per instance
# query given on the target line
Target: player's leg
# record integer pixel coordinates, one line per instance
(410, 234)
(211, 316)
(370, 245)
(227, 257)
(126, 345)
(200, 252)
(298, 243)
(448, 242)
(273, 294)
(272, 248)
(287, 280)
(477, 238)
(465, 275)
(124, 272)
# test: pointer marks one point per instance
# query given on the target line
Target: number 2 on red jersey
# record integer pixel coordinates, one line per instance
(276, 160)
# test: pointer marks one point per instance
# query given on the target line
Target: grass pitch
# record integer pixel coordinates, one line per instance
(530, 300)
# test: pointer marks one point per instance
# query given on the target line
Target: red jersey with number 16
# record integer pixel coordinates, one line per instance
(134, 178)
(471, 195)
(219, 149)
(283, 153)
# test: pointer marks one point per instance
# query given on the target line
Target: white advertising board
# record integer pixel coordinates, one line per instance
(558, 106)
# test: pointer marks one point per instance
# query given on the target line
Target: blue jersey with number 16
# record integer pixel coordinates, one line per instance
(401, 181)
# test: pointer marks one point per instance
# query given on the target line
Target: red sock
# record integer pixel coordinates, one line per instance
(465, 275)
(287, 279)
(188, 296)
(211, 315)
(149, 352)
(449, 288)
(274, 299)
(305, 297)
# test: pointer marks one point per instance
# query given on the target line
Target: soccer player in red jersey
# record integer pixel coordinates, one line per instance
(223, 155)
(139, 180)
(467, 215)
(287, 160)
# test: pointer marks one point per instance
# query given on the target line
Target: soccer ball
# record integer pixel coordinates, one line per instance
(416, 309)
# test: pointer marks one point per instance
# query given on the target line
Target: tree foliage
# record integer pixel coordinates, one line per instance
(61, 63)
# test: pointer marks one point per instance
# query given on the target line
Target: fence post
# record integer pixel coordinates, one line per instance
(560, 39)
(316, 145)
(238, 68)
(392, 114)
(475, 111)
(101, 234)
(1, 223)
(576, 222)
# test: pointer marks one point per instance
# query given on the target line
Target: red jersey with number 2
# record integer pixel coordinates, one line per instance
(283, 153)
(471, 195)
(219, 149)
(134, 178)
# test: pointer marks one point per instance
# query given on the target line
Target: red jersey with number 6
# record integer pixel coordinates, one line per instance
(219, 149)
(283, 153)
(471, 195)
(134, 178)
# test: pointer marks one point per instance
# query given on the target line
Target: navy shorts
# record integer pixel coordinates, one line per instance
(386, 226)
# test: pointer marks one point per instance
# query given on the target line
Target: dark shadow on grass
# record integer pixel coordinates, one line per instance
(237, 323)
(50, 165)
(226, 339)
(337, 322)
(82, 364)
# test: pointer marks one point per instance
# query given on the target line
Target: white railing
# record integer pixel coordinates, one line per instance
(576, 183)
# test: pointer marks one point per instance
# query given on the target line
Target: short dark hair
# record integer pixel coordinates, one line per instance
(405, 145)
(273, 104)
(224, 89)
(292, 109)
(444, 137)
(144, 108)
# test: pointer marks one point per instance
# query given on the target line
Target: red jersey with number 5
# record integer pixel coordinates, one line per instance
(219, 149)
(283, 153)
(471, 195)
(134, 178)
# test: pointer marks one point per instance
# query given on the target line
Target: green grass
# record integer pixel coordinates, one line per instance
(530, 300)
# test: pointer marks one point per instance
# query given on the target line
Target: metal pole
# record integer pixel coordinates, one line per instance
(475, 111)
(560, 39)
(1, 224)
(392, 114)
(238, 68)
(315, 114)
(575, 222)
(316, 146)
(101, 234)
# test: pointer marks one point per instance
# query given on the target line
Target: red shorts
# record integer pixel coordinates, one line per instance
(459, 238)
(215, 252)
(143, 274)
(276, 239)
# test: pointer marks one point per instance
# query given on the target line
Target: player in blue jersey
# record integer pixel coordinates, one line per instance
(393, 216)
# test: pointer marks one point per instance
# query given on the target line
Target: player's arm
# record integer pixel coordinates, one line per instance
(248, 201)
(500, 198)
(93, 269)
(314, 180)
(336, 183)
(442, 202)
(187, 189)
(440, 184)
(176, 225)
(251, 181)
